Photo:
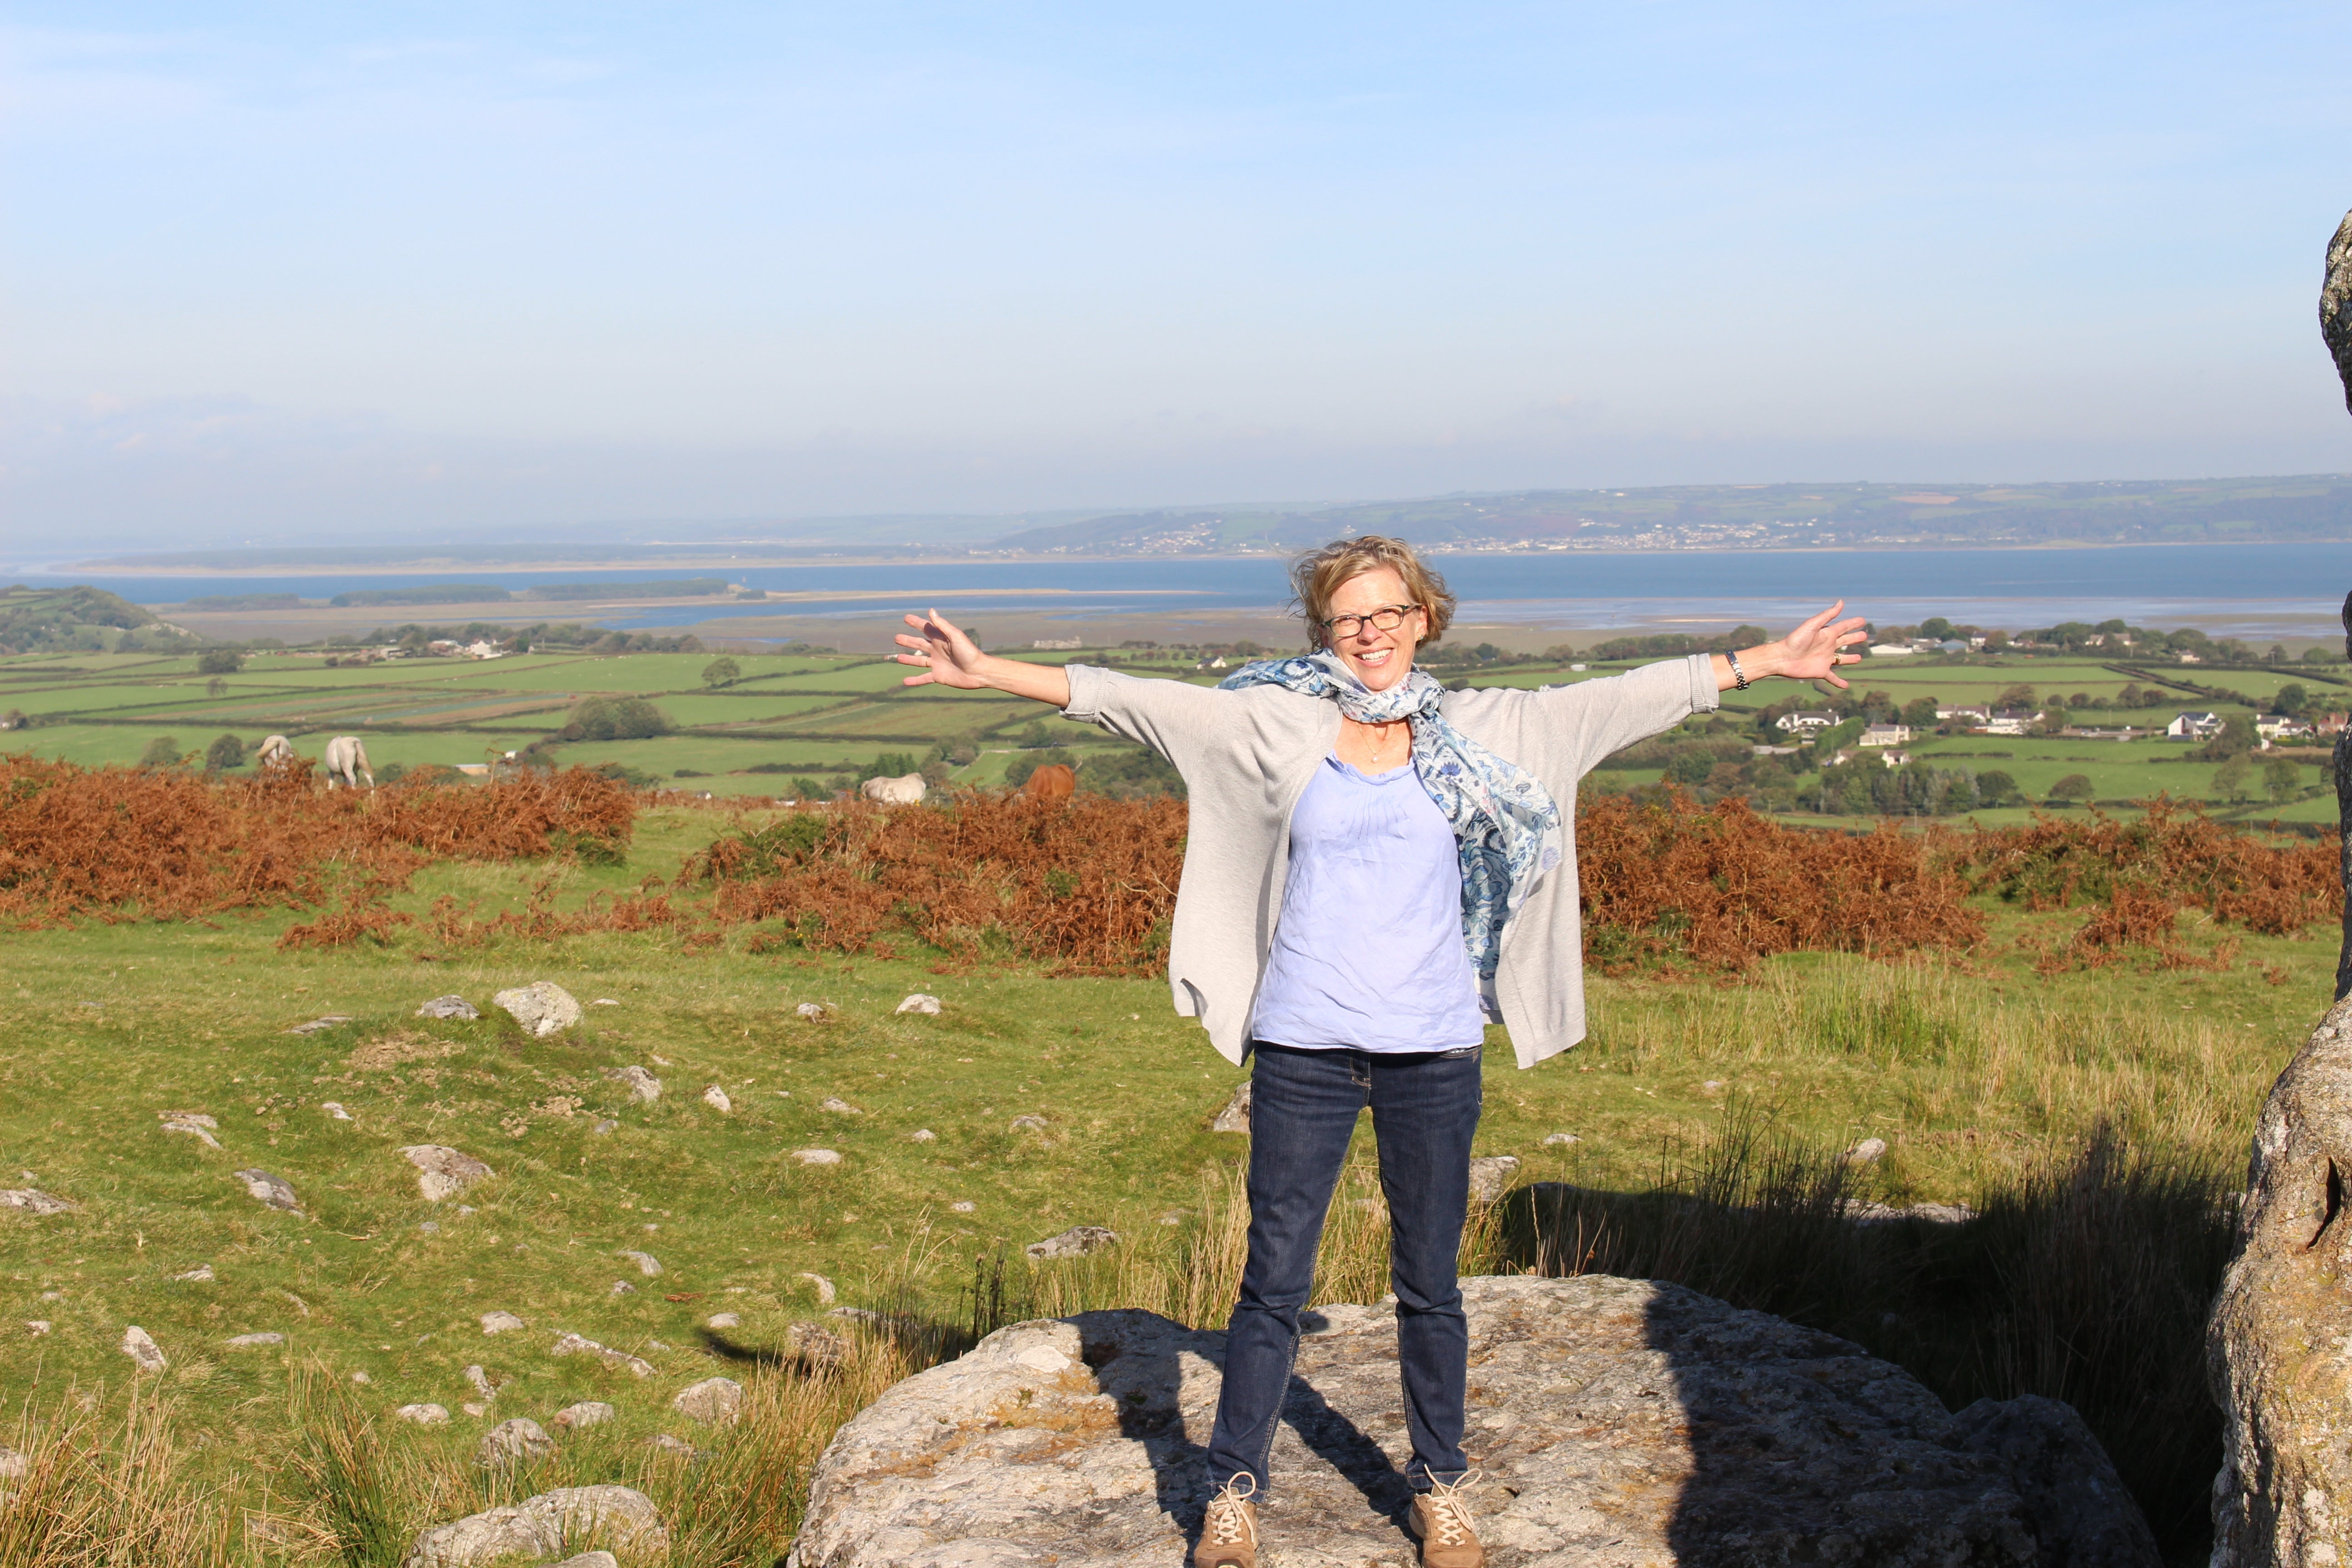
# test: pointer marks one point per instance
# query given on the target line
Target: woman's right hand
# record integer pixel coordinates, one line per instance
(943, 653)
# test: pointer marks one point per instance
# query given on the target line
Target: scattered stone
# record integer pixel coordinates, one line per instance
(362, 1377)
(587, 1412)
(716, 1098)
(274, 1191)
(723, 1321)
(141, 1348)
(1869, 1151)
(1713, 1086)
(605, 1128)
(823, 1288)
(450, 1008)
(501, 1323)
(192, 1124)
(669, 1444)
(1235, 1115)
(590, 1560)
(443, 1172)
(1490, 1176)
(33, 1202)
(335, 1111)
(315, 1025)
(924, 1135)
(1027, 1124)
(714, 1401)
(36, 1327)
(423, 1415)
(575, 1345)
(605, 1001)
(643, 1087)
(481, 1383)
(1555, 1139)
(1932, 1214)
(1617, 1422)
(816, 1156)
(202, 1274)
(474, 1409)
(14, 1465)
(921, 1002)
(964, 1206)
(839, 1107)
(538, 1527)
(430, 1227)
(1174, 1217)
(819, 1346)
(521, 1438)
(252, 1341)
(542, 1007)
(647, 1264)
(813, 1010)
(1074, 1242)
(621, 1288)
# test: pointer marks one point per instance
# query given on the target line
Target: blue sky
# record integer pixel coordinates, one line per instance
(275, 271)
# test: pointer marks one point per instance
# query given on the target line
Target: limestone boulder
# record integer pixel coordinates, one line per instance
(1234, 1116)
(542, 1526)
(643, 1087)
(521, 1438)
(1619, 1423)
(276, 1192)
(542, 1007)
(444, 1173)
(714, 1401)
(1074, 1242)
(2279, 1345)
(449, 1007)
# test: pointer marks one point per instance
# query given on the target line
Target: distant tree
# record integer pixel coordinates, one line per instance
(1691, 767)
(2054, 721)
(2236, 739)
(217, 687)
(2292, 700)
(2074, 786)
(1936, 627)
(614, 718)
(226, 752)
(1995, 787)
(1878, 707)
(963, 753)
(1920, 712)
(936, 773)
(219, 661)
(2020, 696)
(2282, 780)
(2277, 653)
(1995, 641)
(722, 672)
(2323, 654)
(163, 752)
(890, 766)
(1034, 738)
(392, 772)
(2229, 778)
(807, 788)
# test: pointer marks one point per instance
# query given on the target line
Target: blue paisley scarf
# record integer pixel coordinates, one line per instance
(1506, 825)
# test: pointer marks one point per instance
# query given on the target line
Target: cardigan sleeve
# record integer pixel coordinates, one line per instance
(1572, 728)
(1174, 717)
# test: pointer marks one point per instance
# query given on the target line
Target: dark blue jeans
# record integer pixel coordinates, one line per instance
(1303, 1110)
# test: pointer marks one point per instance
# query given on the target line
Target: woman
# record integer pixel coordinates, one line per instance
(1355, 922)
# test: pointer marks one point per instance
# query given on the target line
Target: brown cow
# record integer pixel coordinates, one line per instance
(1051, 785)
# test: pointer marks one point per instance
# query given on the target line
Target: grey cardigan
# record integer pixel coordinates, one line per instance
(1246, 756)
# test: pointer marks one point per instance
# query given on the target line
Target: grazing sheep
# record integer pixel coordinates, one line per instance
(347, 763)
(905, 790)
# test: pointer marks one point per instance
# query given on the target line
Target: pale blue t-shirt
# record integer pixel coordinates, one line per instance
(1368, 952)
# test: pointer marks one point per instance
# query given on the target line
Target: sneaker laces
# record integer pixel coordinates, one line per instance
(1228, 1522)
(1449, 1514)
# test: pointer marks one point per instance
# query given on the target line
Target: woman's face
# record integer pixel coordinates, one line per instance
(1380, 659)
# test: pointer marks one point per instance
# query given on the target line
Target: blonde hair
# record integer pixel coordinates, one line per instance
(1317, 574)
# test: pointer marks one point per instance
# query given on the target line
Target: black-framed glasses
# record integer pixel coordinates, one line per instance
(1387, 618)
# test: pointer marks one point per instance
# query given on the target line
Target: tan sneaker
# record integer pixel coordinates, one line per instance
(1441, 1520)
(1229, 1535)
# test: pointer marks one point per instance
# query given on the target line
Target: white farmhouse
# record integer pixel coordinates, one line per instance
(1884, 734)
(2193, 727)
(1805, 723)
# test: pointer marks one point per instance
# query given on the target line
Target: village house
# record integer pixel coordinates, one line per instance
(1884, 734)
(1893, 759)
(1890, 651)
(2094, 732)
(1975, 718)
(2193, 727)
(2010, 721)
(1805, 723)
(2279, 727)
(483, 650)
(2330, 723)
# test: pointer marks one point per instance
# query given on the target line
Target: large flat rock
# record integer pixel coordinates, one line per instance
(1618, 1422)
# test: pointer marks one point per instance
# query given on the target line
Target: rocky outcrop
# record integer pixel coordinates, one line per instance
(1618, 1422)
(2279, 1346)
(2336, 304)
(542, 1526)
(542, 1007)
(444, 1173)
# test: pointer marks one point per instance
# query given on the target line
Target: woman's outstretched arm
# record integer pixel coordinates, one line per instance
(1813, 652)
(944, 655)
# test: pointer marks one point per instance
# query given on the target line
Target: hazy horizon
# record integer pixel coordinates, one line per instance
(277, 275)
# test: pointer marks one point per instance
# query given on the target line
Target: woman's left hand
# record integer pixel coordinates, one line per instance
(1815, 649)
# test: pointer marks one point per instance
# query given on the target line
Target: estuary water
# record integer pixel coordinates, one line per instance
(2251, 590)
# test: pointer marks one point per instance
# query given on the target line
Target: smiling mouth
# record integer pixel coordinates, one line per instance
(1377, 655)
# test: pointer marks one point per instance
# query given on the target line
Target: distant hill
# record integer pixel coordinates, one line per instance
(2311, 507)
(44, 620)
